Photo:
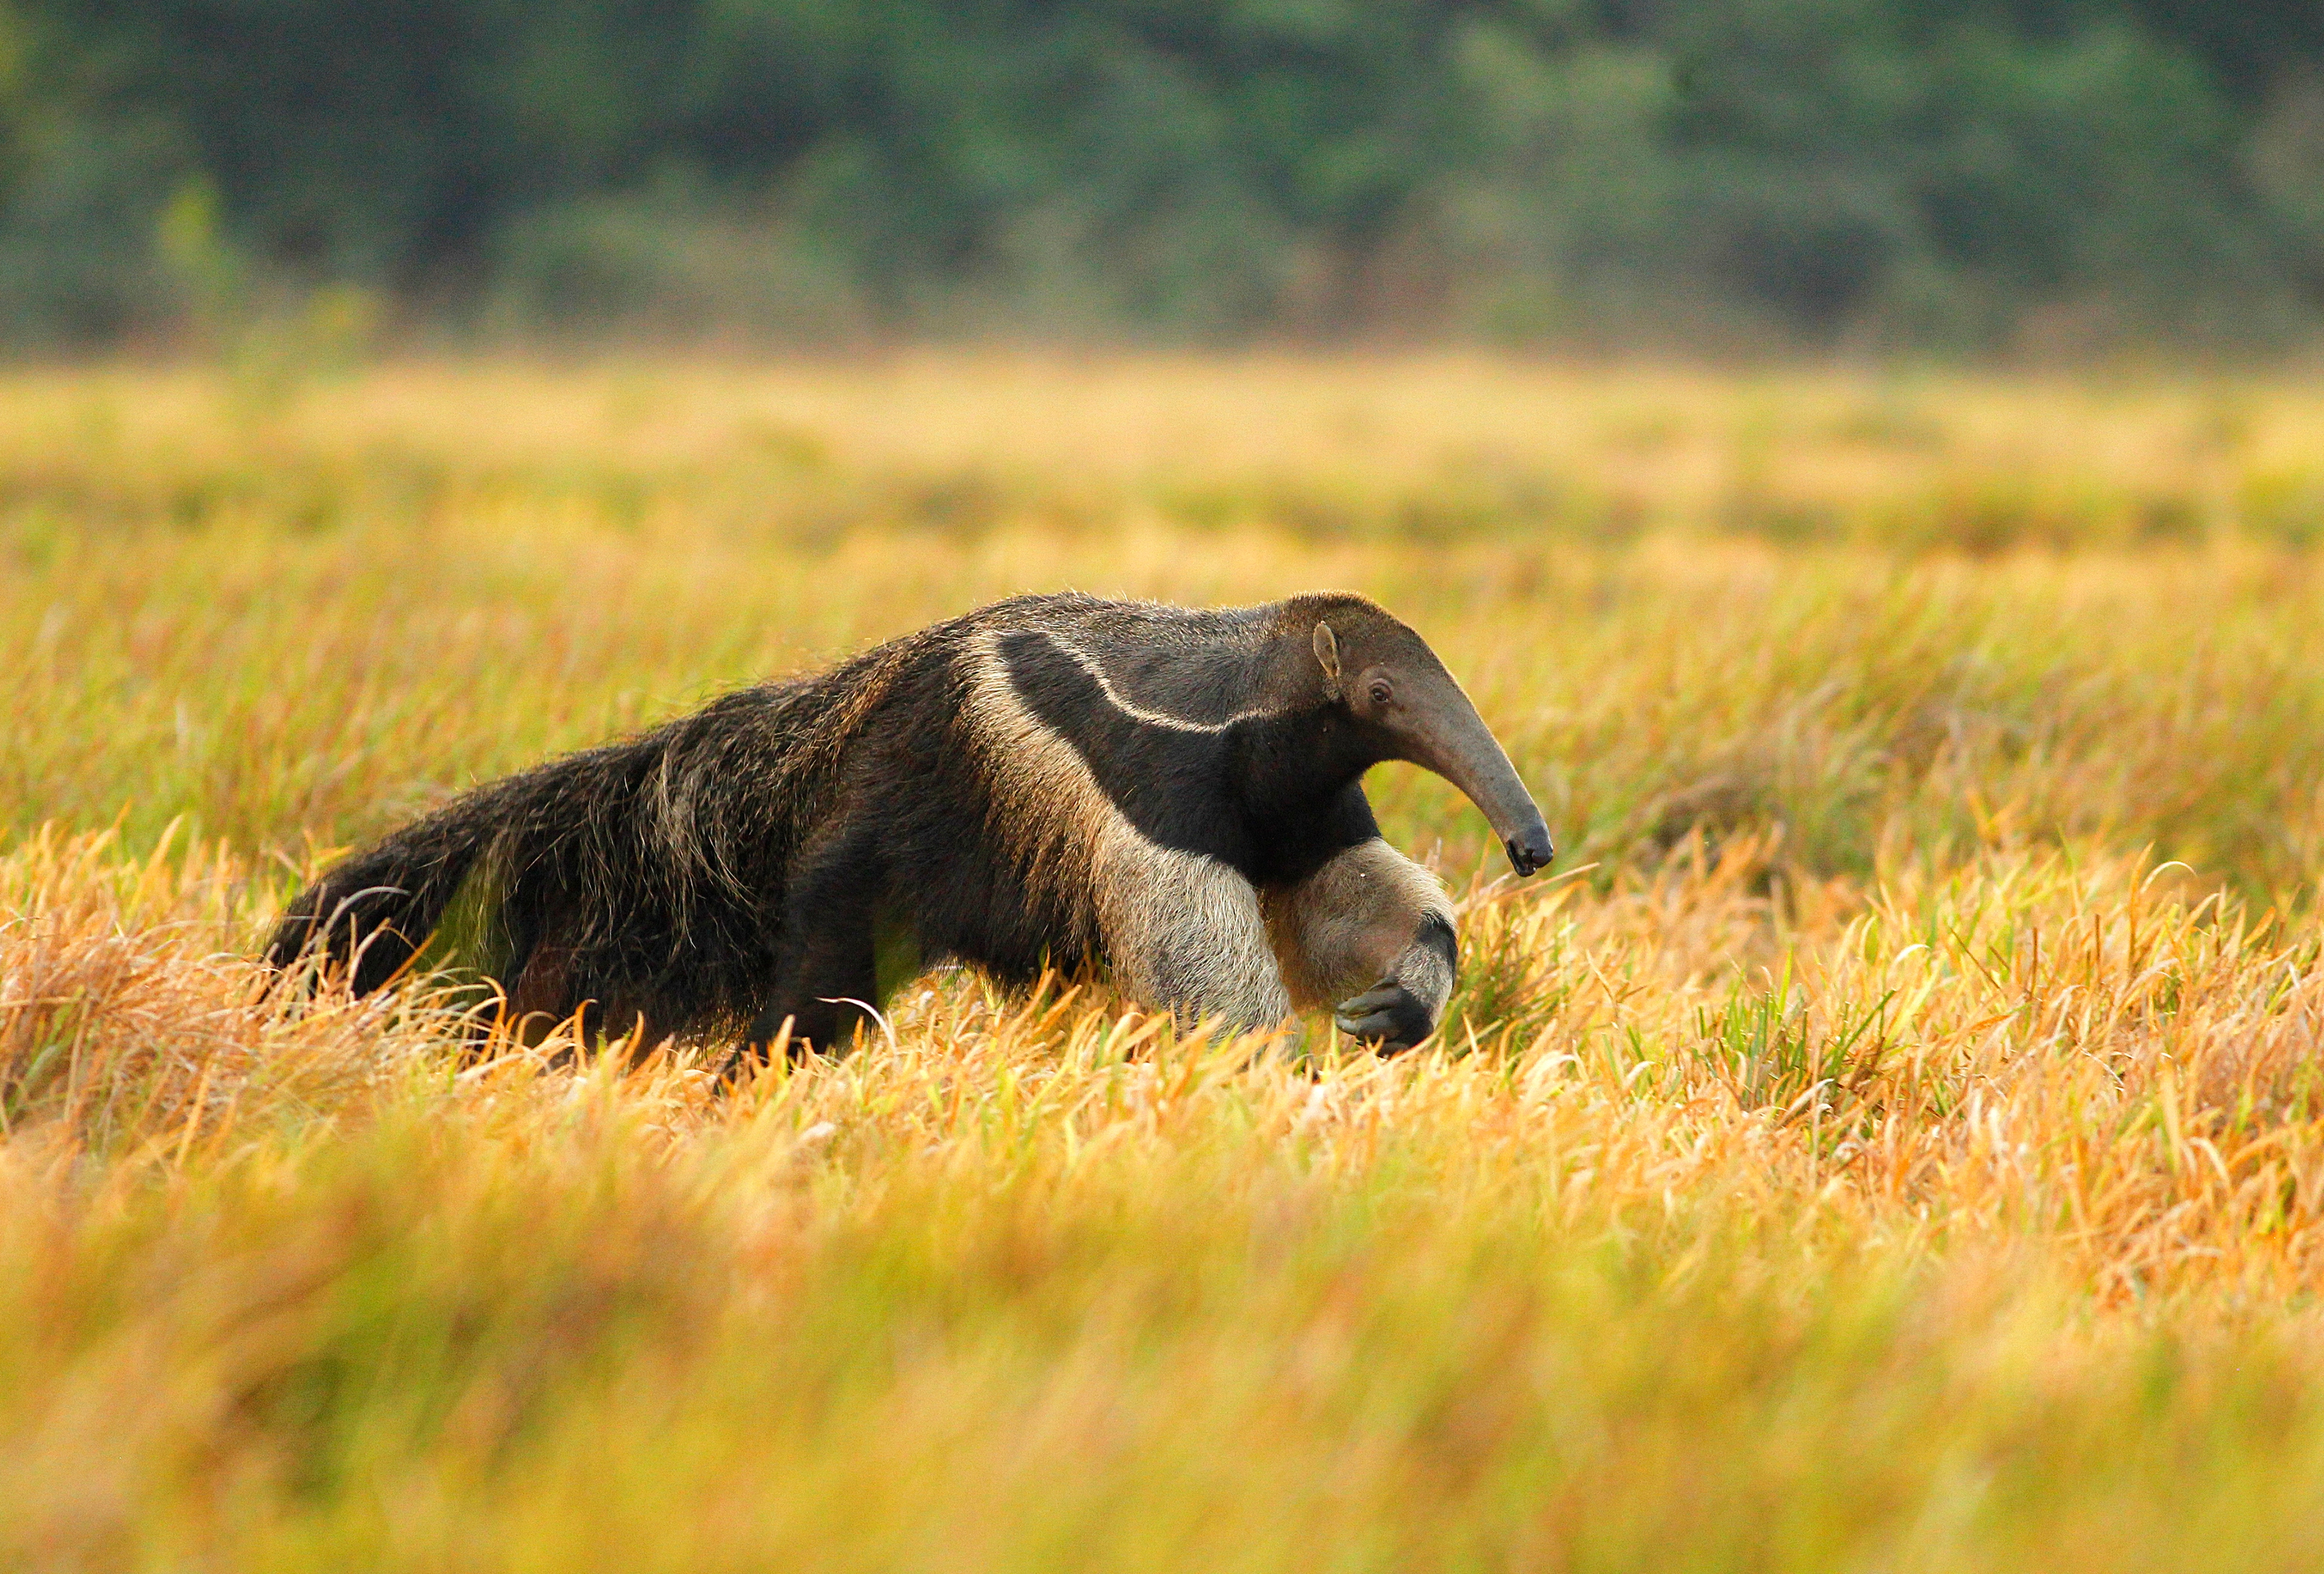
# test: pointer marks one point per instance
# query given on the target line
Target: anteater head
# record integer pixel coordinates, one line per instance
(1406, 706)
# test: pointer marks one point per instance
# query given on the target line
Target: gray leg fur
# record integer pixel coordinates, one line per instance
(1371, 934)
(1185, 932)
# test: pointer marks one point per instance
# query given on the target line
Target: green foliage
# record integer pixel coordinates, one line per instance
(805, 170)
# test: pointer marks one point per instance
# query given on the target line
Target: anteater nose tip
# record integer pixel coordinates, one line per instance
(1527, 858)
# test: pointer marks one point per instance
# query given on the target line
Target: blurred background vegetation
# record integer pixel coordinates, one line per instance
(2025, 176)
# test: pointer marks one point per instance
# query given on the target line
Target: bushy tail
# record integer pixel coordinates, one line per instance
(373, 912)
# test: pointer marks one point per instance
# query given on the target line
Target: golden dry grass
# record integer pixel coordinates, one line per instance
(1891, 1141)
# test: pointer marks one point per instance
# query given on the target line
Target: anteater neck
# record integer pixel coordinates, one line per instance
(1292, 764)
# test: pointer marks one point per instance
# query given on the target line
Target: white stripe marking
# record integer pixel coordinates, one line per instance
(1131, 707)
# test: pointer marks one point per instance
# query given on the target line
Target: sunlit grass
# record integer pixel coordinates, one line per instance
(1891, 1137)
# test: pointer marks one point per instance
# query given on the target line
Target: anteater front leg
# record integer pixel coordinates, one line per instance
(1370, 933)
(1185, 932)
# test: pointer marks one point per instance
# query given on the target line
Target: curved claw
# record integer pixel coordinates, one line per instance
(1387, 1014)
(1373, 999)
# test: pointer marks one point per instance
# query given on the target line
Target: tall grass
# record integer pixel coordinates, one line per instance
(1892, 1138)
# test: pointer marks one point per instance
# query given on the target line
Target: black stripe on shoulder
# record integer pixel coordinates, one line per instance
(1169, 784)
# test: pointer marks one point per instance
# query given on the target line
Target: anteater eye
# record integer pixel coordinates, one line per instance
(1379, 693)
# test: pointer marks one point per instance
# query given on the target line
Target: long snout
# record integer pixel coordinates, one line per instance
(1446, 736)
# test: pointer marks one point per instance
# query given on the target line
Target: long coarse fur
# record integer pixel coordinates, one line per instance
(647, 876)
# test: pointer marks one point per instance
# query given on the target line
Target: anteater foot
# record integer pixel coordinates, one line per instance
(1388, 1015)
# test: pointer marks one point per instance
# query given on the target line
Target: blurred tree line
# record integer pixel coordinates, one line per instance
(1957, 172)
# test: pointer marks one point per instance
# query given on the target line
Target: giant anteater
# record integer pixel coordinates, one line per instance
(1175, 796)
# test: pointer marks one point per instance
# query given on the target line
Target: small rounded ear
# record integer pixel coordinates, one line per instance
(1327, 653)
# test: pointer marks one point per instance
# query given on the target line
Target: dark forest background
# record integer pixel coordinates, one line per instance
(1975, 175)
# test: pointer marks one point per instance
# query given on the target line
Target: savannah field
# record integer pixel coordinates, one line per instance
(1891, 1137)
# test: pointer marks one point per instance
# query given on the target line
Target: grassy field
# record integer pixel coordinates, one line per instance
(1890, 1138)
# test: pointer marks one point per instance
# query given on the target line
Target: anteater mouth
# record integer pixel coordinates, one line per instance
(1525, 859)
